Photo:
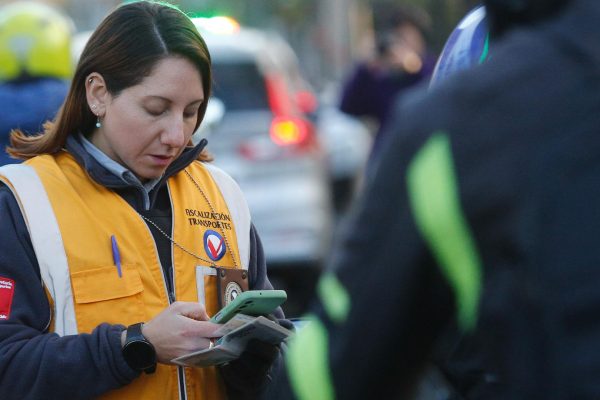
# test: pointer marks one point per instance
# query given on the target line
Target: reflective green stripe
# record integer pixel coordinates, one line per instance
(486, 49)
(307, 362)
(434, 198)
(334, 297)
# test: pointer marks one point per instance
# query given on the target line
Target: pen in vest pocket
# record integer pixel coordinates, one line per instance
(116, 254)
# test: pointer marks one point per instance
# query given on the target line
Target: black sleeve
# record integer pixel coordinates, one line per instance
(37, 364)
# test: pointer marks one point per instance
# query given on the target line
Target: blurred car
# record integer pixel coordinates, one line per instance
(265, 140)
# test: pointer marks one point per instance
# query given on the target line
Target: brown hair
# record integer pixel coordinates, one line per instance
(124, 48)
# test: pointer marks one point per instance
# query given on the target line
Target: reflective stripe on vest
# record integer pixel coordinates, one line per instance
(46, 240)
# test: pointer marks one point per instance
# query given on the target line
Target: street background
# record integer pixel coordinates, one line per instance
(329, 37)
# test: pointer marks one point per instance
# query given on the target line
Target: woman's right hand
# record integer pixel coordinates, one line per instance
(179, 329)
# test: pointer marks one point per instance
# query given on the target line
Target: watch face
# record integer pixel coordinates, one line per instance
(139, 354)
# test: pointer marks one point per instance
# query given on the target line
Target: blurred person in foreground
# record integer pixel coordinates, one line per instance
(483, 211)
(35, 65)
(111, 222)
(401, 60)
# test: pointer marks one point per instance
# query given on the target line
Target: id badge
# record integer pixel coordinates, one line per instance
(230, 283)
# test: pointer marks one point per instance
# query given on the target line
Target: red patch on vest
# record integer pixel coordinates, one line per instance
(7, 290)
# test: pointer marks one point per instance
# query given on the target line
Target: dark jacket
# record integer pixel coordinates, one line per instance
(35, 364)
(26, 105)
(524, 137)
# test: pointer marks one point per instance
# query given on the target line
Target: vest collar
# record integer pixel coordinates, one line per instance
(105, 177)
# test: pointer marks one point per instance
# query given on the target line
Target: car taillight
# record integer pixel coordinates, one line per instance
(288, 131)
(288, 137)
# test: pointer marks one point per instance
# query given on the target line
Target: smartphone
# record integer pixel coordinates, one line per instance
(251, 302)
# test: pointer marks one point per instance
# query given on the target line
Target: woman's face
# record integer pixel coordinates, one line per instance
(148, 125)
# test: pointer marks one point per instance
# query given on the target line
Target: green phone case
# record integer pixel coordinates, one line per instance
(251, 302)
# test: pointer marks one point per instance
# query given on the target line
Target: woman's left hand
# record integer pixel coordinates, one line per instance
(246, 376)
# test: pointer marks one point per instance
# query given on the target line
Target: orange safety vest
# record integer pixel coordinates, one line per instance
(88, 214)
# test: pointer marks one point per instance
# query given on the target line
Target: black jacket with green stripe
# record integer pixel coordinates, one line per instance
(483, 212)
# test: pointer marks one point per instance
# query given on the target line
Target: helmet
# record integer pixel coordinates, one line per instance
(467, 46)
(35, 41)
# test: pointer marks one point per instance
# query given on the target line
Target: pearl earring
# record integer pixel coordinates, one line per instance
(98, 123)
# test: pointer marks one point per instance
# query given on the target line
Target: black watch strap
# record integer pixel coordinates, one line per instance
(134, 331)
(138, 352)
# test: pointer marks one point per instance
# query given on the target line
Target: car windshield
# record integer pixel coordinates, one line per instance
(240, 86)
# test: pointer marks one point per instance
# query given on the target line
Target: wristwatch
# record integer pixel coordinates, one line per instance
(138, 352)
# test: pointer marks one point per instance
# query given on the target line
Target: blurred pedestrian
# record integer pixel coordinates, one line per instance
(35, 65)
(401, 61)
(114, 229)
(483, 211)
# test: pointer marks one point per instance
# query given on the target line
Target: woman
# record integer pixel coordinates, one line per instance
(119, 220)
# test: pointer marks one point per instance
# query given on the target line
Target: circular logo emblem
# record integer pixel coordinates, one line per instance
(232, 290)
(214, 245)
